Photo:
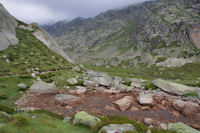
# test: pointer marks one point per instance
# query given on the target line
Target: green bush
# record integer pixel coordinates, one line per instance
(150, 86)
(20, 120)
(161, 59)
(3, 95)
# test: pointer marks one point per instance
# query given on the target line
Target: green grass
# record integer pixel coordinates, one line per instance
(43, 123)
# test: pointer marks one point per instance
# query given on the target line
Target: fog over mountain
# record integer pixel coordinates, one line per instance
(48, 11)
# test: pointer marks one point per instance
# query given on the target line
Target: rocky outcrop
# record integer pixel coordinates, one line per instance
(7, 29)
(175, 62)
(172, 87)
(45, 38)
(85, 119)
(117, 128)
(41, 87)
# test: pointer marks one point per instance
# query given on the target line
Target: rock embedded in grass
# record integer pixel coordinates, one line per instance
(72, 81)
(117, 128)
(22, 86)
(41, 87)
(85, 119)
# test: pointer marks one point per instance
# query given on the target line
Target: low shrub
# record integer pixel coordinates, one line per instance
(7, 109)
(3, 95)
(20, 120)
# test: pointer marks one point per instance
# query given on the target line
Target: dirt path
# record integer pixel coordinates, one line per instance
(94, 103)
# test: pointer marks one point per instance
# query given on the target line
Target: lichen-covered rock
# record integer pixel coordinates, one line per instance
(117, 128)
(181, 128)
(86, 119)
(173, 88)
(41, 87)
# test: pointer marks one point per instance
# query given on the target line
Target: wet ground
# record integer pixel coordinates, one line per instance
(94, 103)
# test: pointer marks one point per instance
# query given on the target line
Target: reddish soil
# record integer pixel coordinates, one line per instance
(94, 103)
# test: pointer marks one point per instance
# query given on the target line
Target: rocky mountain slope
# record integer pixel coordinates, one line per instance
(162, 32)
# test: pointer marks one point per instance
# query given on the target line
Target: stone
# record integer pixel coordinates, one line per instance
(22, 86)
(134, 109)
(90, 84)
(188, 109)
(67, 119)
(80, 90)
(117, 128)
(124, 103)
(66, 98)
(116, 81)
(148, 131)
(163, 126)
(174, 88)
(68, 107)
(76, 69)
(72, 81)
(181, 128)
(136, 85)
(109, 108)
(145, 99)
(85, 119)
(2, 125)
(101, 78)
(41, 87)
(5, 115)
(149, 121)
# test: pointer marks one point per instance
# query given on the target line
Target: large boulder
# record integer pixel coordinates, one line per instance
(85, 119)
(117, 128)
(145, 99)
(124, 103)
(7, 29)
(173, 88)
(66, 98)
(104, 81)
(41, 87)
(181, 128)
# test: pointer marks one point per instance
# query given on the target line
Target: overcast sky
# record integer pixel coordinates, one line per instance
(45, 11)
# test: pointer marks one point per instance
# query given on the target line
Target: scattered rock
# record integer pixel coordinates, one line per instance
(2, 125)
(80, 90)
(86, 119)
(117, 128)
(188, 109)
(22, 86)
(67, 119)
(66, 98)
(109, 108)
(173, 88)
(116, 81)
(136, 85)
(135, 109)
(5, 115)
(68, 107)
(90, 84)
(163, 126)
(76, 69)
(124, 103)
(41, 87)
(72, 81)
(181, 128)
(145, 99)
(149, 121)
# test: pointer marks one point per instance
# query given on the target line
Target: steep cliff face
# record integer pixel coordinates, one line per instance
(150, 32)
(7, 29)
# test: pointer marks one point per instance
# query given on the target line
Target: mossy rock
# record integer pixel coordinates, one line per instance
(181, 128)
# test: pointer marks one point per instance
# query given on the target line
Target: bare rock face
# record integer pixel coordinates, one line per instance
(195, 35)
(7, 29)
(124, 103)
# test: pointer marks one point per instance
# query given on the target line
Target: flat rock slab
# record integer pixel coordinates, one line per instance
(41, 87)
(117, 128)
(65, 98)
(174, 88)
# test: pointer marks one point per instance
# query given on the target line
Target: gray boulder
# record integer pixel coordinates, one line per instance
(7, 29)
(173, 88)
(41, 87)
(104, 80)
(22, 86)
(145, 99)
(117, 128)
(181, 128)
(85, 119)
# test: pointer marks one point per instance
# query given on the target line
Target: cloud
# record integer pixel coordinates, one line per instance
(44, 11)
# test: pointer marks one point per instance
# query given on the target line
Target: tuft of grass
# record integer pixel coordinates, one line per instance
(191, 95)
